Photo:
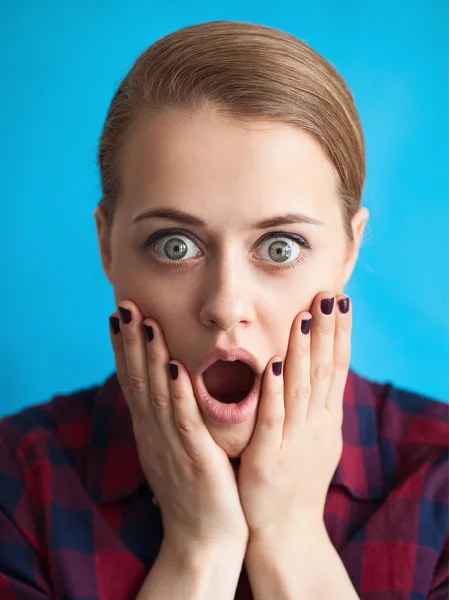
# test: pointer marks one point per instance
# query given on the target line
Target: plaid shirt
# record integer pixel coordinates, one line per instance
(78, 522)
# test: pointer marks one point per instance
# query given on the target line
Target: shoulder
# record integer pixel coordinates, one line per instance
(41, 449)
(404, 417)
(46, 440)
(408, 450)
(391, 435)
(402, 436)
(82, 441)
(409, 437)
(63, 420)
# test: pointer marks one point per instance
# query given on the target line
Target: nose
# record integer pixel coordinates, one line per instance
(227, 300)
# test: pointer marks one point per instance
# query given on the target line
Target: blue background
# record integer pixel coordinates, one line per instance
(60, 65)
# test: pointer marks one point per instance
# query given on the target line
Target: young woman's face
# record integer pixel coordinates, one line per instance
(228, 286)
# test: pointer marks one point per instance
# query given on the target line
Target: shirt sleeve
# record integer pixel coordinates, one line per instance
(21, 568)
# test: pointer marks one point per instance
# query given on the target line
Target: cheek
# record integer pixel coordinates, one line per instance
(280, 307)
(133, 278)
(326, 273)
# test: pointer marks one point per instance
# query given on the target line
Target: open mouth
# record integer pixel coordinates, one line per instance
(228, 381)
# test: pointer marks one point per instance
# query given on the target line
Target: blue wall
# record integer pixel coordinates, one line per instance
(60, 64)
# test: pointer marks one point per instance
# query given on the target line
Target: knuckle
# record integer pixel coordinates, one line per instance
(342, 362)
(158, 401)
(137, 382)
(277, 393)
(128, 334)
(323, 371)
(185, 426)
(177, 397)
(302, 393)
(198, 467)
(274, 420)
(153, 360)
(326, 327)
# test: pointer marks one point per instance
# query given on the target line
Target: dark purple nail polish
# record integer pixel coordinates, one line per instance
(277, 367)
(327, 305)
(305, 325)
(173, 371)
(115, 324)
(148, 332)
(125, 314)
(343, 305)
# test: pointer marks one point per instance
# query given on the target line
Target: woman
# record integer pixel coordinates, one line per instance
(233, 453)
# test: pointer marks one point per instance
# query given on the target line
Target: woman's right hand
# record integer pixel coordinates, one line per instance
(189, 474)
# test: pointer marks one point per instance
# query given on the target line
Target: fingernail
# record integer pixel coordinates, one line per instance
(125, 314)
(173, 371)
(115, 324)
(148, 332)
(343, 305)
(277, 367)
(305, 325)
(327, 305)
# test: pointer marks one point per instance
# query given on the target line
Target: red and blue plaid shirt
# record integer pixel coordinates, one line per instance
(78, 522)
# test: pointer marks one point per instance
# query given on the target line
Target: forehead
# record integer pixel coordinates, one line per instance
(203, 162)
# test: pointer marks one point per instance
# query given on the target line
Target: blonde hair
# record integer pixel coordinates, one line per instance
(241, 71)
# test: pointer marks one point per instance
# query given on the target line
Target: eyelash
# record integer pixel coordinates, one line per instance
(151, 242)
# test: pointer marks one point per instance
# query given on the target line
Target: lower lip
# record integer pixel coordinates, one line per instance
(234, 413)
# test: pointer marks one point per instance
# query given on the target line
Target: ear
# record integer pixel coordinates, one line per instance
(103, 241)
(358, 223)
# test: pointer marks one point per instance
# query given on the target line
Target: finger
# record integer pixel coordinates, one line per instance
(137, 382)
(118, 347)
(322, 349)
(297, 375)
(189, 422)
(173, 400)
(342, 355)
(268, 432)
(157, 358)
(119, 351)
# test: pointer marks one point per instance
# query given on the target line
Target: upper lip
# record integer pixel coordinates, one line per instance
(228, 355)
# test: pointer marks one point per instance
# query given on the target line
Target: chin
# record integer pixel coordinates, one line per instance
(233, 439)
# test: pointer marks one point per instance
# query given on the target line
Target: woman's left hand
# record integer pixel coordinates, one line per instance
(286, 469)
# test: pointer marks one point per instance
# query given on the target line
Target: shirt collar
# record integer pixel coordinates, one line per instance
(112, 468)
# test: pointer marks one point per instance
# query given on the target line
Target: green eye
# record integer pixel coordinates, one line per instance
(172, 248)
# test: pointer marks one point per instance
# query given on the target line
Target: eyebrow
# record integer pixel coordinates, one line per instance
(188, 219)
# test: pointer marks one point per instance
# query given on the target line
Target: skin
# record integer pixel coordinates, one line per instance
(226, 174)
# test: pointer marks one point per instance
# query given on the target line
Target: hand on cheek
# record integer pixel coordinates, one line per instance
(286, 469)
(187, 472)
